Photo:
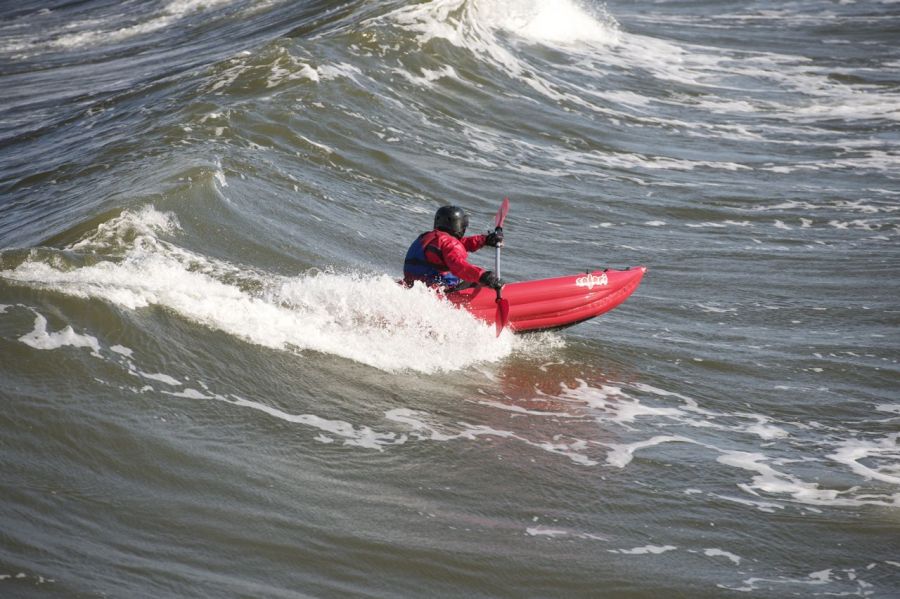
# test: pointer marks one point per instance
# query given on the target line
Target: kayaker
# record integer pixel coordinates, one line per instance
(440, 257)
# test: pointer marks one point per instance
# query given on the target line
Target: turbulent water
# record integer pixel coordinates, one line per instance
(212, 386)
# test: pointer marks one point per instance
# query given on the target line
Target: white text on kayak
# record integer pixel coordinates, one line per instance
(591, 280)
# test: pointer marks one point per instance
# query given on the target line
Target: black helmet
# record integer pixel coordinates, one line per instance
(451, 219)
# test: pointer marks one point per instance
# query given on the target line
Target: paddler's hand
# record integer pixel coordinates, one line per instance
(494, 239)
(489, 279)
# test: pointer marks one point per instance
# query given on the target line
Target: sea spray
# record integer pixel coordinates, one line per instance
(367, 318)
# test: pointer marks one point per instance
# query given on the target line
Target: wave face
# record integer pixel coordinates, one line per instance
(212, 385)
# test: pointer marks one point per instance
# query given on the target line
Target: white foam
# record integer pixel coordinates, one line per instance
(602, 46)
(544, 531)
(884, 450)
(645, 550)
(553, 532)
(416, 421)
(219, 175)
(122, 350)
(623, 409)
(764, 506)
(40, 338)
(572, 450)
(112, 28)
(362, 436)
(763, 429)
(94, 32)
(424, 430)
(358, 436)
(284, 68)
(339, 70)
(712, 552)
(140, 226)
(308, 72)
(715, 309)
(862, 206)
(520, 410)
(323, 147)
(162, 378)
(466, 23)
(369, 319)
(478, 25)
(545, 21)
(621, 454)
(771, 481)
(873, 459)
(630, 161)
(188, 394)
(429, 76)
(818, 578)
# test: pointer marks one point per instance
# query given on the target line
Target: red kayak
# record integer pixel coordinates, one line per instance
(552, 303)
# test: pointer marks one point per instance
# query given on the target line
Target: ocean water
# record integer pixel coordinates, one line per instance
(210, 385)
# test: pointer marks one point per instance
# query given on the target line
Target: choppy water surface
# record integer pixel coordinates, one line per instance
(212, 386)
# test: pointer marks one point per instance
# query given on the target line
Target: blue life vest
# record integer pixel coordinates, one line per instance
(416, 266)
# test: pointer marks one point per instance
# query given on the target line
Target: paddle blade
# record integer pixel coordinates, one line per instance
(501, 214)
(502, 314)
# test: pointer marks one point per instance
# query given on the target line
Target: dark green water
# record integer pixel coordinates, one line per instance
(210, 385)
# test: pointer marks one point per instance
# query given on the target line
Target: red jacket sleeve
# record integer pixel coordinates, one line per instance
(457, 258)
(473, 243)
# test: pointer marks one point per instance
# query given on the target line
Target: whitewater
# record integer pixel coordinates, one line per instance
(212, 384)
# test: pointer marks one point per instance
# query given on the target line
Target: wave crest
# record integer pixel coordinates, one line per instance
(362, 317)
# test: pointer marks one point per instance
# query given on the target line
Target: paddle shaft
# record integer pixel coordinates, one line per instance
(497, 255)
(502, 304)
(498, 228)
